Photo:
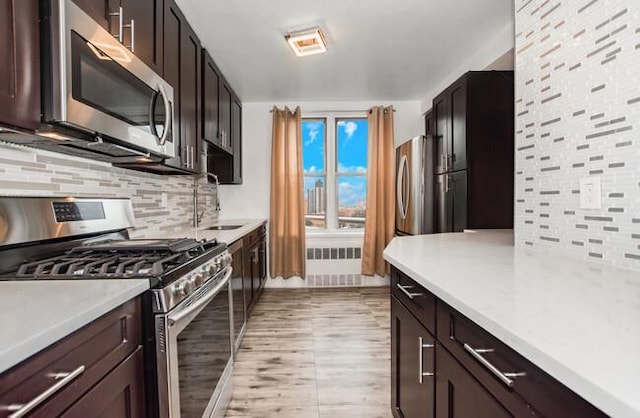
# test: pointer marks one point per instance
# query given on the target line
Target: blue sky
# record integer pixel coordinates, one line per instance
(351, 147)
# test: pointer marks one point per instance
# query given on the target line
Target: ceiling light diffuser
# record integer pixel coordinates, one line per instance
(307, 42)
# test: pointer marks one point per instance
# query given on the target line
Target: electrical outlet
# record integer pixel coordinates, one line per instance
(164, 200)
(591, 193)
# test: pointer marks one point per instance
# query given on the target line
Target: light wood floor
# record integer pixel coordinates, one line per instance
(315, 353)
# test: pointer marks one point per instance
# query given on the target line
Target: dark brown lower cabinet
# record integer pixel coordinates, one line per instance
(459, 394)
(119, 395)
(413, 365)
(255, 256)
(238, 290)
(103, 362)
(454, 379)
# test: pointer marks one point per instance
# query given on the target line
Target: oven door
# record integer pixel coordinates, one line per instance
(195, 365)
(100, 86)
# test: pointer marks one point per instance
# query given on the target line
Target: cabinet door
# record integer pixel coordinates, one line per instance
(237, 289)
(413, 365)
(102, 11)
(20, 68)
(210, 93)
(441, 117)
(459, 394)
(428, 124)
(225, 115)
(458, 194)
(236, 140)
(119, 395)
(181, 70)
(443, 203)
(144, 36)
(190, 92)
(248, 279)
(458, 138)
(255, 272)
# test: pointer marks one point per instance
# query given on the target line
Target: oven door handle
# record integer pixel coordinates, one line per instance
(173, 319)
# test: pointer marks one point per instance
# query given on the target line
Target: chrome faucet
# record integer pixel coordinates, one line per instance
(197, 217)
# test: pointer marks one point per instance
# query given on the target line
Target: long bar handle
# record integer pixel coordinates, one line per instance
(119, 36)
(421, 373)
(65, 378)
(132, 27)
(504, 377)
(404, 290)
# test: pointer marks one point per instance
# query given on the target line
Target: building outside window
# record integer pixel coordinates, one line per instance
(335, 168)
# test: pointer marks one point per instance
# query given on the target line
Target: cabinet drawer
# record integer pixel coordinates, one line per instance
(254, 236)
(507, 375)
(87, 356)
(419, 301)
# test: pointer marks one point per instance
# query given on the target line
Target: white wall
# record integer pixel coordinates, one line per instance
(251, 199)
(499, 46)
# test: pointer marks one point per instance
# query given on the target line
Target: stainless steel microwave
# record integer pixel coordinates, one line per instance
(95, 85)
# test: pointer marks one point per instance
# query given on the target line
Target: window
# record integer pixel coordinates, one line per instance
(335, 168)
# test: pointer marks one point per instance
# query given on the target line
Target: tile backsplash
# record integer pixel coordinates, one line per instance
(160, 203)
(578, 116)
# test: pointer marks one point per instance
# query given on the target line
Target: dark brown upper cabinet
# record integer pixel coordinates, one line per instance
(182, 54)
(20, 68)
(226, 98)
(139, 28)
(210, 98)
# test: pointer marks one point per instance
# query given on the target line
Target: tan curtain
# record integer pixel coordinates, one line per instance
(379, 222)
(286, 231)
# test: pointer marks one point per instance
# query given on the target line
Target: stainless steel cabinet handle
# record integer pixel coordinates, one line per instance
(421, 373)
(132, 27)
(193, 157)
(119, 14)
(404, 290)
(65, 378)
(502, 376)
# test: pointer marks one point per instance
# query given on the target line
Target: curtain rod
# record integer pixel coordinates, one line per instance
(338, 111)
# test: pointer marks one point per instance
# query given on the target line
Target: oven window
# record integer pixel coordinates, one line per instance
(100, 82)
(204, 348)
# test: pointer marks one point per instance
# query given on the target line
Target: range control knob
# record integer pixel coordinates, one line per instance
(183, 288)
(212, 270)
(218, 263)
(197, 280)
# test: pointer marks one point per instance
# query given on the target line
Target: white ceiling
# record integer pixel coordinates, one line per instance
(378, 49)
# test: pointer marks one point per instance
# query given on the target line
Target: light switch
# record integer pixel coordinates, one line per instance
(591, 193)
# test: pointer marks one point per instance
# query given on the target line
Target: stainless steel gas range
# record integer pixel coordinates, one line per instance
(188, 311)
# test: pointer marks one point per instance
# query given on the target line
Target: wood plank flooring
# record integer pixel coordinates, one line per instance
(315, 353)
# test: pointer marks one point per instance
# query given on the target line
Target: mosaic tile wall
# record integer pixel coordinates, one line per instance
(578, 116)
(29, 172)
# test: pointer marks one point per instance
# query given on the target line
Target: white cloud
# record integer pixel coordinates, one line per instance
(314, 130)
(351, 169)
(349, 127)
(312, 169)
(350, 193)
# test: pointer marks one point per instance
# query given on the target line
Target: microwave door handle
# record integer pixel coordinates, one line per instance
(168, 115)
(194, 307)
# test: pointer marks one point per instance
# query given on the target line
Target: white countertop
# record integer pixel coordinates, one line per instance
(227, 236)
(578, 321)
(36, 314)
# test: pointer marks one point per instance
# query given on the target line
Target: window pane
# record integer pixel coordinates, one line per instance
(315, 199)
(352, 136)
(352, 193)
(313, 135)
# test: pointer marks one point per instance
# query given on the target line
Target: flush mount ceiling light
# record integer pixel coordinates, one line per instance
(307, 42)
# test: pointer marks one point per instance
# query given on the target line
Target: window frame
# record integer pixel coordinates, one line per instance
(324, 173)
(331, 175)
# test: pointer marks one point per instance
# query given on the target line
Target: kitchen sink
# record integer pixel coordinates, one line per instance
(224, 227)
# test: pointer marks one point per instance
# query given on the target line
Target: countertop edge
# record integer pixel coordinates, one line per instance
(38, 342)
